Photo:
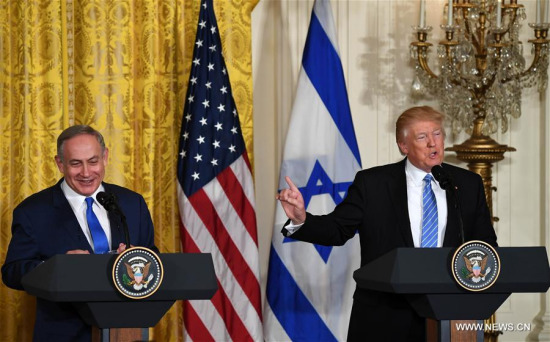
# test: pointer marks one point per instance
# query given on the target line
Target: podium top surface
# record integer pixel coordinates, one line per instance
(428, 270)
(88, 278)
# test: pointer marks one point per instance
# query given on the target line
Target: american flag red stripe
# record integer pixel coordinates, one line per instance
(231, 268)
(237, 197)
(198, 328)
(229, 251)
(216, 197)
(237, 329)
(189, 314)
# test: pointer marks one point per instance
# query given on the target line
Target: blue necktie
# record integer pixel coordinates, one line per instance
(429, 215)
(101, 244)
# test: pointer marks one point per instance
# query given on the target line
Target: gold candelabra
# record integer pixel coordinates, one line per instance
(482, 74)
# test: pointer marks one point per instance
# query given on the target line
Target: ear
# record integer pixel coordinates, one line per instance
(59, 164)
(106, 156)
(403, 147)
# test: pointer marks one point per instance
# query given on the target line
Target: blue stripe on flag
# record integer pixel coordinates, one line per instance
(324, 69)
(300, 305)
(291, 307)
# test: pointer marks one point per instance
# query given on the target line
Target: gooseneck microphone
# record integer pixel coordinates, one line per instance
(446, 183)
(109, 202)
(442, 177)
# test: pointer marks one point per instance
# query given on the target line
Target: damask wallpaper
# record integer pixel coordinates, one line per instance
(121, 66)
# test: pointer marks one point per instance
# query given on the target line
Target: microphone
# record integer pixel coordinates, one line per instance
(442, 177)
(109, 202)
(446, 183)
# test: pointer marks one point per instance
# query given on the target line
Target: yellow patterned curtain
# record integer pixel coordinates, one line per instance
(121, 66)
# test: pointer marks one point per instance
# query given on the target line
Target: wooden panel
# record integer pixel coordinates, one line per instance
(463, 335)
(120, 335)
(432, 330)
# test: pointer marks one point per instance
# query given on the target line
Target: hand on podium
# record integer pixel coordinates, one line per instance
(121, 248)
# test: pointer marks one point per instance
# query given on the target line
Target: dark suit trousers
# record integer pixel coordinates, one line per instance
(390, 319)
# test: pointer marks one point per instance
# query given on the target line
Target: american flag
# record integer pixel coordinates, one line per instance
(216, 196)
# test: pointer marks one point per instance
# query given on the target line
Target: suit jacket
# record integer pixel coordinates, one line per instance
(45, 225)
(376, 207)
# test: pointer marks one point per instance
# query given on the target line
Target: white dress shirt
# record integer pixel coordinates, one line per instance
(78, 204)
(415, 185)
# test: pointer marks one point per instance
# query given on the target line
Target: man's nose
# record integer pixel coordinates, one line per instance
(85, 169)
(431, 141)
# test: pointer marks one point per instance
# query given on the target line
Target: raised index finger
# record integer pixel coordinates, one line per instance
(291, 184)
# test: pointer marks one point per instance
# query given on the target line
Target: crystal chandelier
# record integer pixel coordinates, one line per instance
(481, 75)
(482, 68)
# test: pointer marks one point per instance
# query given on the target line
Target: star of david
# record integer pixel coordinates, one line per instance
(319, 183)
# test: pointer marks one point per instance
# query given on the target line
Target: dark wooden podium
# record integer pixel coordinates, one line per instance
(423, 276)
(60, 279)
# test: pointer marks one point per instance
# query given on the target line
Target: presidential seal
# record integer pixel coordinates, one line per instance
(475, 265)
(137, 272)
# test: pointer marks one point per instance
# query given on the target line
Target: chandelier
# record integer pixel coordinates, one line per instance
(481, 75)
(482, 70)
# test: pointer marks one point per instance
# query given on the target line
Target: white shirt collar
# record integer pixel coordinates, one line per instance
(415, 174)
(75, 199)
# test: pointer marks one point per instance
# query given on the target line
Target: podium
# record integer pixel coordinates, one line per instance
(66, 278)
(423, 276)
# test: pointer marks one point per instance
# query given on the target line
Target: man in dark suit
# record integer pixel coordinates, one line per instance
(56, 221)
(384, 205)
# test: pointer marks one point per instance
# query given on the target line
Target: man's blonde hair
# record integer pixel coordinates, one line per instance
(413, 115)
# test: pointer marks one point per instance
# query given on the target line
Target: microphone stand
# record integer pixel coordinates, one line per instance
(446, 183)
(108, 201)
(454, 190)
(125, 227)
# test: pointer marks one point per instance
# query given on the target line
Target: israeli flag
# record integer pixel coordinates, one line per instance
(310, 287)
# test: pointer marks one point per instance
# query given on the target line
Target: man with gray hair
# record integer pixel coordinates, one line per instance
(67, 219)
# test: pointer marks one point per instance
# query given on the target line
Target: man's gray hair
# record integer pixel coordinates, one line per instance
(75, 130)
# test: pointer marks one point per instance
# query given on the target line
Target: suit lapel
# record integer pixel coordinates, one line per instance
(398, 192)
(67, 218)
